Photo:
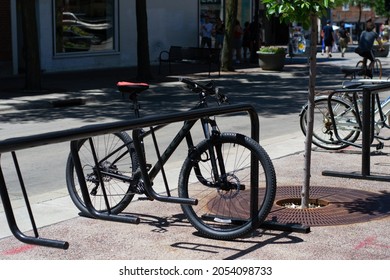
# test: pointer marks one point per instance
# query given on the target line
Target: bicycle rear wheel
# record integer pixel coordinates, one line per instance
(324, 129)
(230, 206)
(363, 71)
(375, 68)
(116, 156)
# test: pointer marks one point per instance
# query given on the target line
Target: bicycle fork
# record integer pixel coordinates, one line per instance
(215, 156)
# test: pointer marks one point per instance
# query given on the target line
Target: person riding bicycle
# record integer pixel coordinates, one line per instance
(366, 43)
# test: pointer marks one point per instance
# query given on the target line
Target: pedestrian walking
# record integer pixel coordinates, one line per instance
(328, 38)
(343, 38)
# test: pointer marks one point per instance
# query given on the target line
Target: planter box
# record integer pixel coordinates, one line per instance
(271, 61)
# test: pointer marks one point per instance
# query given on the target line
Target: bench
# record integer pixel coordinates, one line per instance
(178, 54)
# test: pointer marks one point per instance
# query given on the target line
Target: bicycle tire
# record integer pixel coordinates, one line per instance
(225, 214)
(360, 65)
(323, 129)
(118, 191)
(376, 68)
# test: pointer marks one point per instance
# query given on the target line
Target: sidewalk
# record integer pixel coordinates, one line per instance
(353, 225)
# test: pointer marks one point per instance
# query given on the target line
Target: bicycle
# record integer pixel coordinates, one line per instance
(374, 70)
(345, 112)
(226, 185)
(342, 112)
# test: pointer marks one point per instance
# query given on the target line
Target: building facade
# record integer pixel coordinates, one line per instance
(91, 34)
(84, 34)
(351, 14)
(5, 37)
(355, 18)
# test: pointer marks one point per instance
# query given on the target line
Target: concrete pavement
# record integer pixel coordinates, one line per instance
(24, 113)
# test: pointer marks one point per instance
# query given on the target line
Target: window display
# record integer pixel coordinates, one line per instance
(84, 25)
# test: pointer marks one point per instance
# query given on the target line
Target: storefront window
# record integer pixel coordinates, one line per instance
(84, 26)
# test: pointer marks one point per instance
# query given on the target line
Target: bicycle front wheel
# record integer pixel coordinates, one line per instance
(116, 156)
(345, 121)
(363, 71)
(231, 205)
(376, 68)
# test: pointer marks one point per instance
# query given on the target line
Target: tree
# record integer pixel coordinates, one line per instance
(256, 31)
(30, 45)
(227, 49)
(305, 12)
(231, 17)
(143, 59)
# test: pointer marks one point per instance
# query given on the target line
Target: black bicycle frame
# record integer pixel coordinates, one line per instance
(148, 176)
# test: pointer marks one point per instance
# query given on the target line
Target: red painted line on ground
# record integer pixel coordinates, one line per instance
(371, 242)
(366, 242)
(18, 250)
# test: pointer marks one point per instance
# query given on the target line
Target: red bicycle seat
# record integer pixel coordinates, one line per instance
(130, 87)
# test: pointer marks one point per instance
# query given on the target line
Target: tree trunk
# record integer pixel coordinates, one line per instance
(143, 60)
(227, 49)
(30, 45)
(358, 29)
(310, 113)
(256, 30)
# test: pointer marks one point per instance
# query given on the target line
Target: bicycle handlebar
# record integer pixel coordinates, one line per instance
(208, 89)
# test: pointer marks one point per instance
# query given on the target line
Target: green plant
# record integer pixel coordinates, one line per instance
(275, 50)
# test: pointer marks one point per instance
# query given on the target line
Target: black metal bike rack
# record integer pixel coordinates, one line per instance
(367, 126)
(12, 145)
